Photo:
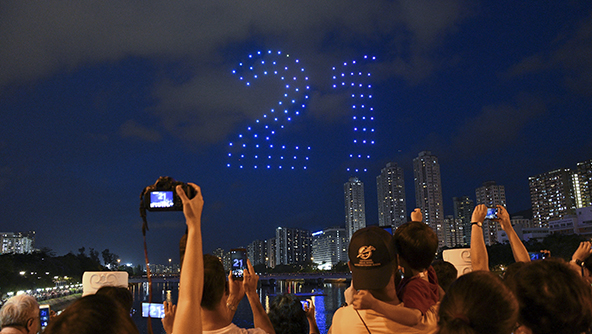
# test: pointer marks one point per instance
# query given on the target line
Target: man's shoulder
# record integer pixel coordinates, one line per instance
(234, 329)
(348, 320)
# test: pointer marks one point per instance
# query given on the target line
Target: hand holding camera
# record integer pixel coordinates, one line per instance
(163, 196)
(192, 207)
(479, 213)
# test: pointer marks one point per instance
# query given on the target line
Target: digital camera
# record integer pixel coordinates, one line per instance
(162, 195)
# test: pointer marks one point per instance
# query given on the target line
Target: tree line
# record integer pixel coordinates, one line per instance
(43, 268)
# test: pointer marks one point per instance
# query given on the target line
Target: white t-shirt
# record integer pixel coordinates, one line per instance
(346, 320)
(234, 329)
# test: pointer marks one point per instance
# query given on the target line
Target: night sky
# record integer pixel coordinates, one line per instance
(99, 99)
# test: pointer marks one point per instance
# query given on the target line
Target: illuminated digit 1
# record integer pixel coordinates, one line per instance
(350, 78)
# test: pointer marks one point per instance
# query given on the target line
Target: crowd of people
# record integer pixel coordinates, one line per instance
(397, 287)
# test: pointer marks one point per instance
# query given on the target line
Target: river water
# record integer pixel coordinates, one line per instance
(326, 297)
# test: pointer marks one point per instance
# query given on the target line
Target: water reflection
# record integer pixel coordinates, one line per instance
(326, 297)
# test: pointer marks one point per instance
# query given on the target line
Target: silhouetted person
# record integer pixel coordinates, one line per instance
(93, 314)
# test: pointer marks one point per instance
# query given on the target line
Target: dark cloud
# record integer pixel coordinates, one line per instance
(570, 55)
(497, 126)
(43, 38)
(135, 130)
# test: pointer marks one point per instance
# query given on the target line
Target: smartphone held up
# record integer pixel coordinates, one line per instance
(238, 259)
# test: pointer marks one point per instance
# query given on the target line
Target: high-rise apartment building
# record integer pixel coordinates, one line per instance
(257, 252)
(293, 246)
(552, 196)
(355, 212)
(491, 194)
(584, 184)
(329, 247)
(453, 231)
(463, 210)
(392, 207)
(271, 247)
(428, 192)
(17, 242)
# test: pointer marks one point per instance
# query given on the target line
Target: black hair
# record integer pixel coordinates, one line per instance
(93, 314)
(287, 315)
(553, 298)
(417, 244)
(214, 282)
(120, 294)
(478, 302)
(446, 273)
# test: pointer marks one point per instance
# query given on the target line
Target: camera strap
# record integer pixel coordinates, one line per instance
(148, 275)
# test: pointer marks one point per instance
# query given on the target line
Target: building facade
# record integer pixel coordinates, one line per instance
(463, 210)
(552, 196)
(428, 192)
(491, 194)
(355, 207)
(584, 184)
(453, 231)
(271, 247)
(329, 247)
(17, 242)
(257, 252)
(293, 246)
(392, 206)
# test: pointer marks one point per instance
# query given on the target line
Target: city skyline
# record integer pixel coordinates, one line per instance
(97, 104)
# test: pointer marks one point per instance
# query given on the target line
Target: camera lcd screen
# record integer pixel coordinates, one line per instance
(304, 304)
(161, 199)
(155, 310)
(491, 213)
(44, 315)
(238, 257)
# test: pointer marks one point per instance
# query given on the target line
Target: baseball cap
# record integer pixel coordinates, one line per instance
(371, 253)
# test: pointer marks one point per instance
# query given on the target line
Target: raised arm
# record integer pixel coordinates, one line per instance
(580, 255)
(235, 295)
(518, 249)
(416, 215)
(479, 256)
(260, 318)
(188, 313)
(309, 309)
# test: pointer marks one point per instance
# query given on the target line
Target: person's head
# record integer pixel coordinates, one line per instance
(21, 312)
(372, 258)
(215, 284)
(553, 298)
(92, 314)
(120, 294)
(287, 315)
(446, 273)
(416, 244)
(478, 302)
(511, 271)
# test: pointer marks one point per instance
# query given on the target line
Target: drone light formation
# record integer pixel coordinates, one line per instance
(350, 78)
(259, 146)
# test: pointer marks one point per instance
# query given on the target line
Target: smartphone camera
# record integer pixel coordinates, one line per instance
(154, 310)
(304, 304)
(491, 213)
(44, 311)
(238, 258)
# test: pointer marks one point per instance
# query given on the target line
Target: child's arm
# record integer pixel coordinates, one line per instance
(403, 315)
